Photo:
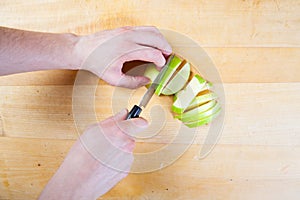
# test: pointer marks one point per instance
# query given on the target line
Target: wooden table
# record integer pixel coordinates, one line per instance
(253, 43)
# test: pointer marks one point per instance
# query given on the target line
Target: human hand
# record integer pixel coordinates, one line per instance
(104, 53)
(99, 159)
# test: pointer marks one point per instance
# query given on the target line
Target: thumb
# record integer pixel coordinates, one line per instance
(133, 126)
(133, 81)
(120, 116)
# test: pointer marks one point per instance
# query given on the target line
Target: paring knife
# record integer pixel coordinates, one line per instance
(137, 109)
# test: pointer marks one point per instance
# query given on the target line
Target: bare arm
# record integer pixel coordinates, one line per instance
(106, 52)
(81, 175)
(86, 174)
(24, 51)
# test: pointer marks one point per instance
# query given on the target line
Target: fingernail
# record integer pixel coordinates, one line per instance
(146, 81)
(168, 51)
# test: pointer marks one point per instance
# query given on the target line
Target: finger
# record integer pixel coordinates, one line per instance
(151, 37)
(146, 28)
(121, 115)
(127, 81)
(147, 54)
(111, 128)
(133, 82)
(110, 121)
(133, 126)
(113, 32)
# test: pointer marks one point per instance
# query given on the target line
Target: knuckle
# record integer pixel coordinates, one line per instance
(154, 52)
(157, 55)
(154, 28)
(126, 28)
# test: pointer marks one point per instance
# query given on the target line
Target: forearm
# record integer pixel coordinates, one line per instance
(76, 178)
(87, 172)
(24, 51)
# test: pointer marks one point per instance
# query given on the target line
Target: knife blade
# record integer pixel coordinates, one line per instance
(137, 109)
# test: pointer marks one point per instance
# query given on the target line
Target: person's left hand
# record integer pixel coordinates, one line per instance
(104, 53)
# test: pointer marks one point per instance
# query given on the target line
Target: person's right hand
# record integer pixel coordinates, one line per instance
(97, 161)
(105, 52)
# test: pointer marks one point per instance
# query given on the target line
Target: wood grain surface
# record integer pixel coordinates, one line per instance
(254, 44)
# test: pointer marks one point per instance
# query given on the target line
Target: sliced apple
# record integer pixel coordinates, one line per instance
(207, 86)
(179, 79)
(193, 114)
(199, 100)
(205, 117)
(151, 72)
(185, 97)
(195, 105)
(174, 63)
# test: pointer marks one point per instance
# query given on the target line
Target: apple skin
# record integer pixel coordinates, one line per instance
(199, 100)
(178, 81)
(193, 114)
(151, 72)
(202, 107)
(186, 96)
(208, 86)
(198, 116)
(174, 63)
(205, 117)
(203, 121)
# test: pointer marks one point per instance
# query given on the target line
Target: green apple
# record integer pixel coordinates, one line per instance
(151, 72)
(173, 65)
(206, 117)
(195, 105)
(199, 100)
(208, 86)
(185, 96)
(193, 114)
(179, 79)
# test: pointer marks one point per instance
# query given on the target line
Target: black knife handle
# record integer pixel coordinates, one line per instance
(134, 112)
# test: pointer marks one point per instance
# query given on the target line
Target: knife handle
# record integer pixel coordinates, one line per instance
(134, 112)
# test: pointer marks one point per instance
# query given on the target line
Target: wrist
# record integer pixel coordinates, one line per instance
(83, 47)
(74, 58)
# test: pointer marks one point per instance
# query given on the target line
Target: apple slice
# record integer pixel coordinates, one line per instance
(205, 117)
(201, 99)
(195, 105)
(207, 87)
(151, 72)
(179, 79)
(174, 63)
(184, 97)
(193, 114)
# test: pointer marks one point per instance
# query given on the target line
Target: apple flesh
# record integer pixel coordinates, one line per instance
(174, 63)
(196, 104)
(192, 115)
(207, 87)
(185, 97)
(205, 117)
(199, 100)
(151, 72)
(178, 81)
(173, 80)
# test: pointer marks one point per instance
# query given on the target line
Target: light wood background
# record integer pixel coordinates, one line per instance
(253, 43)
